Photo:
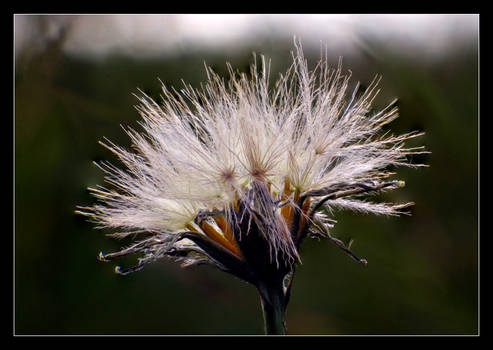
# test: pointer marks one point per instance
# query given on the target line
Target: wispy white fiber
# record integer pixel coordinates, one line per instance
(237, 140)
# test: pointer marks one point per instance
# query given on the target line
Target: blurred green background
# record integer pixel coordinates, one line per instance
(422, 275)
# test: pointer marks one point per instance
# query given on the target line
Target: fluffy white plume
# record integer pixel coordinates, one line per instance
(207, 150)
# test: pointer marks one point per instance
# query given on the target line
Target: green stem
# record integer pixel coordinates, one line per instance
(274, 304)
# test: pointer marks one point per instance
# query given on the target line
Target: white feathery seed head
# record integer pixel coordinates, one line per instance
(235, 159)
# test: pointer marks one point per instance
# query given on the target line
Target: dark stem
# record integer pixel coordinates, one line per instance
(274, 303)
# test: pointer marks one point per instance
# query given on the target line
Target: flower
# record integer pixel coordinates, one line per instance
(237, 175)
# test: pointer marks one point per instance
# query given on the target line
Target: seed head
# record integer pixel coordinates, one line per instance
(237, 174)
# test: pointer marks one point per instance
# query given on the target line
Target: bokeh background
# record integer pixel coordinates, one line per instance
(75, 76)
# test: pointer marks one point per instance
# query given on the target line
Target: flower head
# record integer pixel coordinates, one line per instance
(238, 174)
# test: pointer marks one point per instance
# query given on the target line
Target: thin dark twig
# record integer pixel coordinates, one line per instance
(339, 244)
(357, 188)
(132, 249)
